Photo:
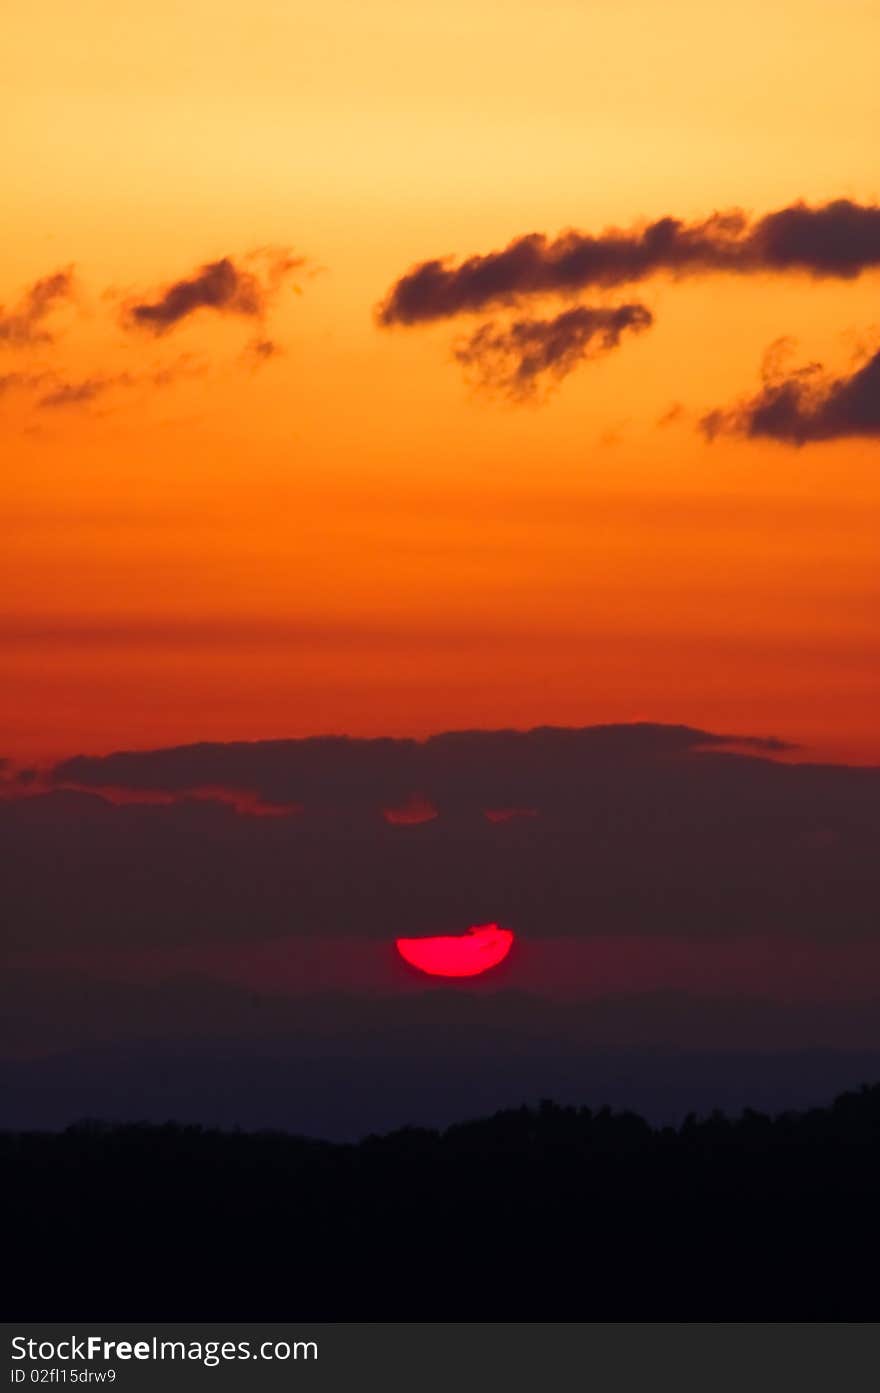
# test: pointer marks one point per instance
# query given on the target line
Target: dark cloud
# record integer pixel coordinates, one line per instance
(671, 891)
(23, 325)
(222, 285)
(805, 405)
(643, 830)
(515, 359)
(458, 770)
(839, 239)
(219, 285)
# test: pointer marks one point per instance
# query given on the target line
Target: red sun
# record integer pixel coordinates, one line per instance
(462, 955)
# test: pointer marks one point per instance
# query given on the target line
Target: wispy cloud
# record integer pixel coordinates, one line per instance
(517, 358)
(81, 393)
(21, 381)
(261, 350)
(55, 391)
(24, 324)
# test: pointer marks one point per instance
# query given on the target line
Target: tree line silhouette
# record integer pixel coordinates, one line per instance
(536, 1213)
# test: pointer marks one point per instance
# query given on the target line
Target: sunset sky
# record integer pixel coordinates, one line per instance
(279, 517)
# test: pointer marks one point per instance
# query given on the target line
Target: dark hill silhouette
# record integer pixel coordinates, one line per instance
(536, 1213)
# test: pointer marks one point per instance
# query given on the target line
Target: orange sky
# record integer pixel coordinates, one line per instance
(346, 537)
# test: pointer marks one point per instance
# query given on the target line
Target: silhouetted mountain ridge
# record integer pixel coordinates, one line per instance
(535, 1213)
